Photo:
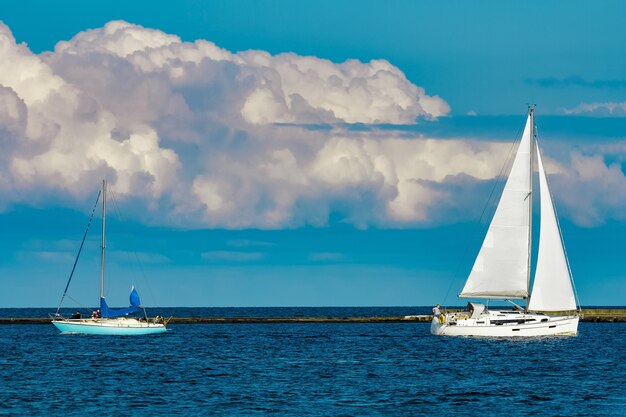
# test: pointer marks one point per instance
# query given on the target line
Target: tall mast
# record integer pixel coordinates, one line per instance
(104, 221)
(531, 115)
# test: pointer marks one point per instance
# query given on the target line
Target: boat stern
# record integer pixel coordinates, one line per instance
(437, 325)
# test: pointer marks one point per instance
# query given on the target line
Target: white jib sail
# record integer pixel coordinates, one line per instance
(552, 289)
(501, 268)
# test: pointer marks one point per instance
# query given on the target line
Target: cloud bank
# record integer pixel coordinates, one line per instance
(190, 134)
(616, 109)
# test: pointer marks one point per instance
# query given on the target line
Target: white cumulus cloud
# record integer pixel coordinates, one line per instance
(599, 109)
(61, 137)
(592, 189)
(285, 88)
(191, 134)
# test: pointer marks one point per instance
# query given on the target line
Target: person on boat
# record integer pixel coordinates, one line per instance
(96, 314)
(76, 315)
(441, 318)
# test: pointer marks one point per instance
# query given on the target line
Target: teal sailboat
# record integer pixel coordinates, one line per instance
(108, 321)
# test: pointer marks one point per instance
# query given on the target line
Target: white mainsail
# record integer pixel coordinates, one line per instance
(501, 267)
(552, 288)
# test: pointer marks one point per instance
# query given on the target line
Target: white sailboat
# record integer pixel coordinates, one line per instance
(503, 266)
(109, 321)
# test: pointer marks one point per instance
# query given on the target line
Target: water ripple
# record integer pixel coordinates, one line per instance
(338, 369)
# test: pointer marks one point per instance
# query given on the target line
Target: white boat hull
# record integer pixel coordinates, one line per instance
(123, 326)
(527, 325)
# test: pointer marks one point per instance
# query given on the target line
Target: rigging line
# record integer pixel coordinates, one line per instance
(135, 258)
(490, 205)
(117, 213)
(137, 262)
(79, 250)
(78, 303)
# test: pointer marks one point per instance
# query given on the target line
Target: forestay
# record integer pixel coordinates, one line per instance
(501, 268)
(552, 288)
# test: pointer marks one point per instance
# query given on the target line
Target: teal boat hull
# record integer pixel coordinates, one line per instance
(121, 327)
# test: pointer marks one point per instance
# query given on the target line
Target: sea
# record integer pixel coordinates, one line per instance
(308, 369)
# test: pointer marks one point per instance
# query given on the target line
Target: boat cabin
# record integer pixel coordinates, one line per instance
(475, 309)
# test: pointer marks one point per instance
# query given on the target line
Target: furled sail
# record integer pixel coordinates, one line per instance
(552, 289)
(501, 268)
(108, 312)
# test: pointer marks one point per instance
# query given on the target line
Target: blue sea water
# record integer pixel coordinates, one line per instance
(330, 369)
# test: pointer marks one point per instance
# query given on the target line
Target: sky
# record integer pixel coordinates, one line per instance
(278, 153)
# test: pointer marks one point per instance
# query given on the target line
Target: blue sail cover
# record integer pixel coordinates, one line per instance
(107, 312)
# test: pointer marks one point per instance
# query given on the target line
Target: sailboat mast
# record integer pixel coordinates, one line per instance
(531, 115)
(104, 221)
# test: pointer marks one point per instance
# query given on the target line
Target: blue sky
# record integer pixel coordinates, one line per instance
(279, 153)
